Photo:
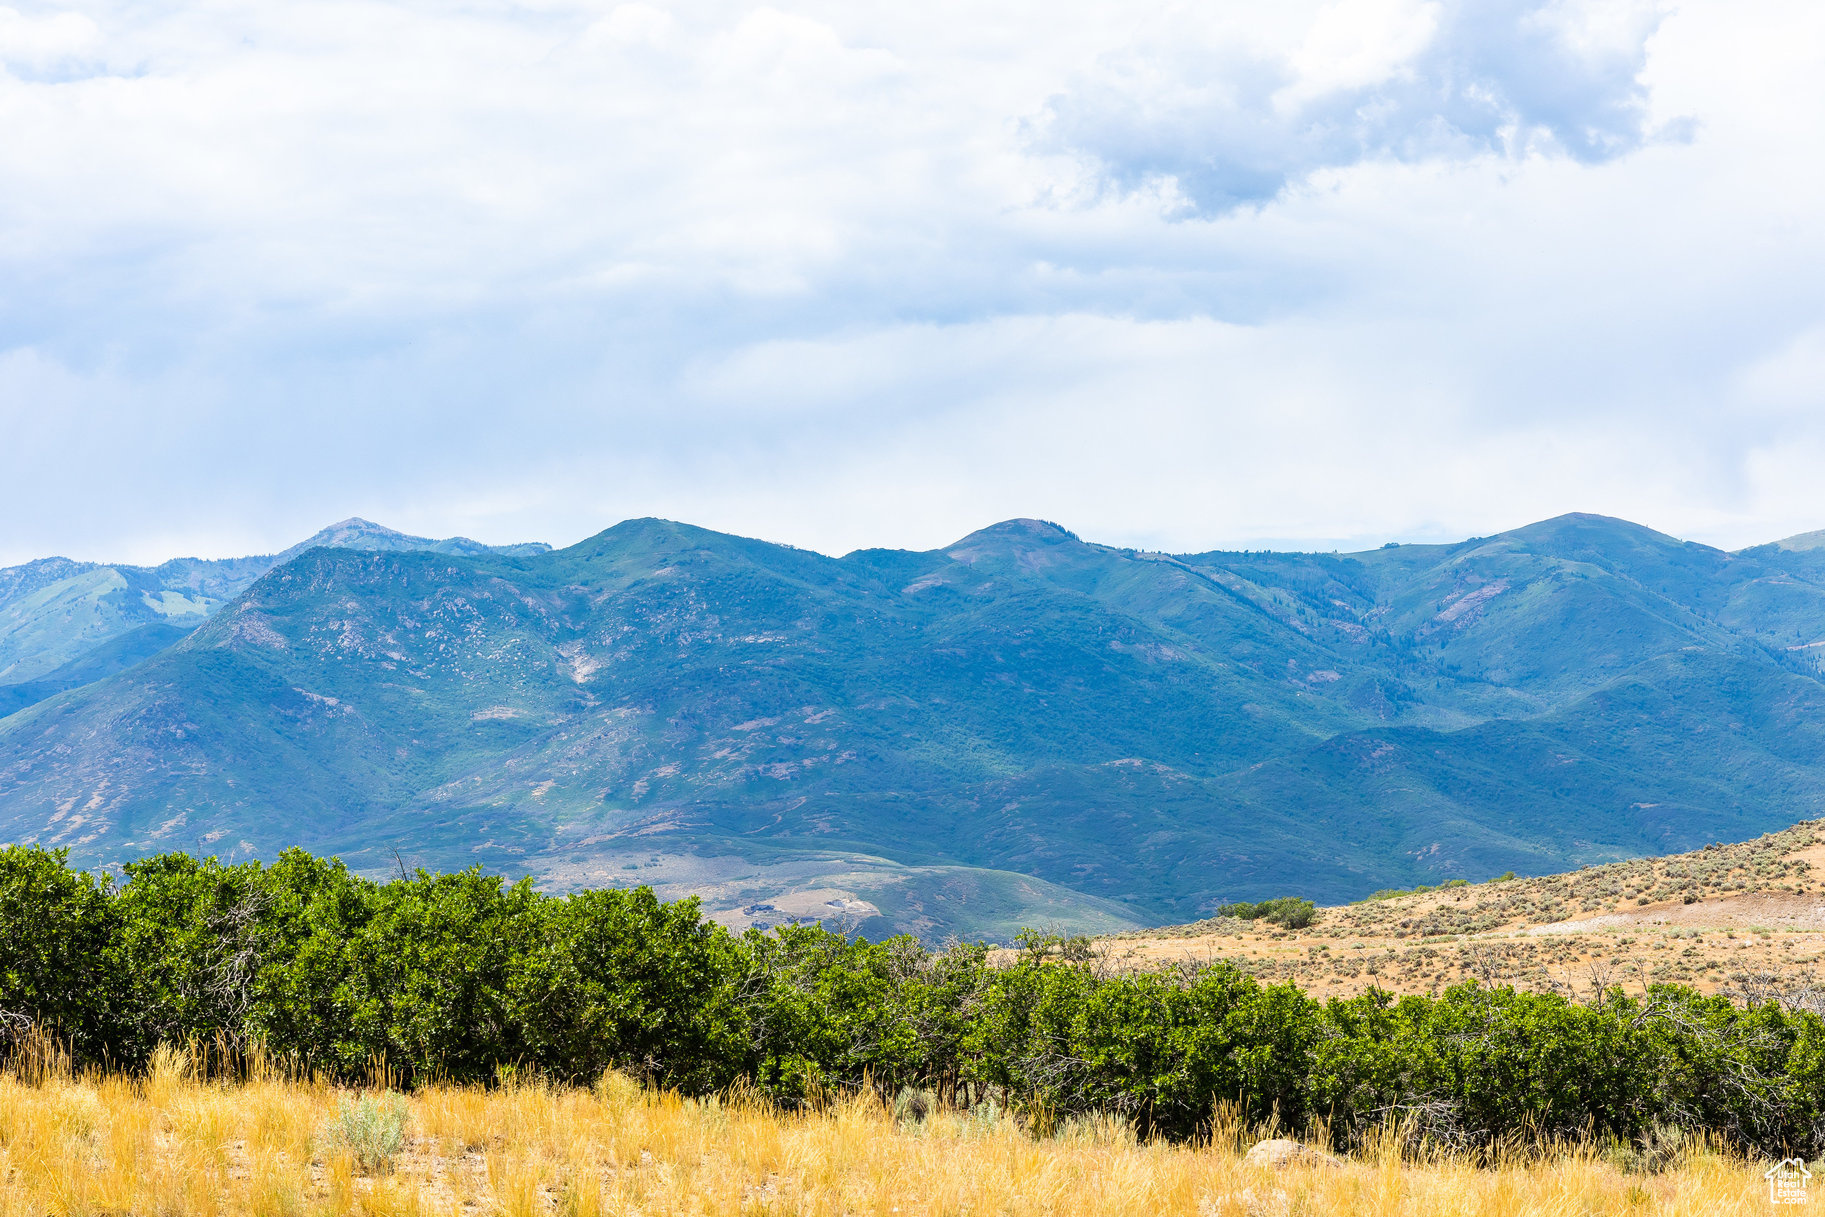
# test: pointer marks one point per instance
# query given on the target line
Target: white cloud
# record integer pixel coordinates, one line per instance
(852, 274)
(43, 43)
(1354, 44)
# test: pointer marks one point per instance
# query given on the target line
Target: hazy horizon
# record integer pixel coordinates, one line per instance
(1291, 545)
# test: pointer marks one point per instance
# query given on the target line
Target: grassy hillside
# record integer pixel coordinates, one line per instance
(1022, 725)
(64, 623)
(113, 654)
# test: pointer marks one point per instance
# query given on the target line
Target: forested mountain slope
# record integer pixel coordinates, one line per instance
(1019, 727)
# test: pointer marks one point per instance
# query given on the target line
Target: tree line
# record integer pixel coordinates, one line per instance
(466, 978)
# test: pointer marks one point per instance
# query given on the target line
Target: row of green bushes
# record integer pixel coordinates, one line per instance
(1420, 889)
(1288, 911)
(462, 977)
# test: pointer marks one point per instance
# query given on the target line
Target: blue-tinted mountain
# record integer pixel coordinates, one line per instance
(1019, 727)
(65, 623)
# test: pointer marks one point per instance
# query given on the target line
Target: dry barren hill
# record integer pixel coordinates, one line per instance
(1745, 918)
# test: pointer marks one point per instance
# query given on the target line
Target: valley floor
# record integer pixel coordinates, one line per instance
(169, 1145)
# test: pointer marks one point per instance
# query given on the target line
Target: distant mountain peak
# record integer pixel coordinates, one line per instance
(1021, 530)
(351, 529)
(357, 524)
(1584, 530)
(651, 535)
(1583, 522)
(357, 533)
(1803, 541)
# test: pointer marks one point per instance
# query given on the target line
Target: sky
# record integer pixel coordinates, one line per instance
(1176, 275)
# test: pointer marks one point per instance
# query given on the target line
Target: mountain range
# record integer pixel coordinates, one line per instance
(64, 624)
(1020, 728)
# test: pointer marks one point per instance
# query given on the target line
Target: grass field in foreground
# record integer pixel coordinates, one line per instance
(171, 1145)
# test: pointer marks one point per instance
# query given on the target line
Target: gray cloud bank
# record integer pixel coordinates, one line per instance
(1235, 124)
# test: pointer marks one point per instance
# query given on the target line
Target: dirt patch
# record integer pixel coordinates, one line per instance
(1774, 910)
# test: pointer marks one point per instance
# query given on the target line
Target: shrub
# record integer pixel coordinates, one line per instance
(912, 1106)
(58, 973)
(189, 940)
(372, 1130)
(617, 980)
(1288, 911)
(1660, 1150)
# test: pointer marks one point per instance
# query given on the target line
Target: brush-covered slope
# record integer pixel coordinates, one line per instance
(937, 740)
(1745, 919)
(65, 623)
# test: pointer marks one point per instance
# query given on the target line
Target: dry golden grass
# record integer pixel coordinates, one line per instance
(171, 1145)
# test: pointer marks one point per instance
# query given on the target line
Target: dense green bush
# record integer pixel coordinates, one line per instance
(1158, 1047)
(466, 977)
(58, 963)
(1288, 911)
(617, 979)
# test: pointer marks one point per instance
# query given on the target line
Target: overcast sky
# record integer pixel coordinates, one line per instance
(1180, 275)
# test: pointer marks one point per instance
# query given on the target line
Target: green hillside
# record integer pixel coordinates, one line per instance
(65, 623)
(1021, 726)
(112, 654)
